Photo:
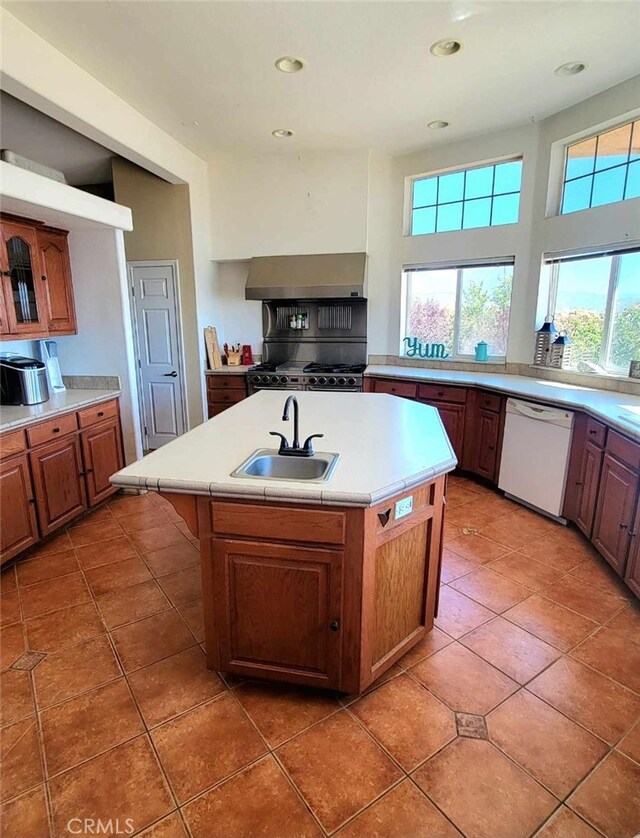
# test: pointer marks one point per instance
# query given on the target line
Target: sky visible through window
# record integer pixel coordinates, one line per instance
(603, 169)
(483, 197)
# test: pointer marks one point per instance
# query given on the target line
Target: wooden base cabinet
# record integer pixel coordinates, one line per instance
(279, 607)
(632, 572)
(615, 513)
(324, 596)
(58, 475)
(102, 455)
(224, 390)
(19, 528)
(484, 427)
(54, 471)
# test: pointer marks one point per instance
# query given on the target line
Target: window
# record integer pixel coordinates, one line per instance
(596, 300)
(459, 306)
(602, 169)
(482, 197)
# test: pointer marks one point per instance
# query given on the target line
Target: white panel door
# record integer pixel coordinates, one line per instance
(156, 316)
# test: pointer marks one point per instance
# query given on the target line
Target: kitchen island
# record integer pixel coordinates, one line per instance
(318, 582)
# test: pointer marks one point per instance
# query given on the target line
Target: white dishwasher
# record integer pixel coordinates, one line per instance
(535, 455)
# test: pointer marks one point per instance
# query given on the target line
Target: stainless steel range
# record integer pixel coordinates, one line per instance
(329, 377)
(312, 345)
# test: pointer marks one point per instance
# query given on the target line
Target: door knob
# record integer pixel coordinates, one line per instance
(173, 374)
(335, 625)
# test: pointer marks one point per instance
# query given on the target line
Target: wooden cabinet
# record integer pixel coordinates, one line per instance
(453, 417)
(24, 298)
(615, 511)
(406, 389)
(58, 476)
(19, 529)
(224, 390)
(484, 424)
(278, 610)
(37, 294)
(632, 572)
(583, 475)
(51, 473)
(56, 278)
(318, 595)
(102, 455)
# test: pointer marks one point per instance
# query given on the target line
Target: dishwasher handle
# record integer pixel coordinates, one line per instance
(534, 411)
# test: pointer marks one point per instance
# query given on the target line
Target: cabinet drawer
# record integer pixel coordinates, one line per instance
(596, 433)
(624, 449)
(396, 388)
(442, 392)
(97, 413)
(225, 396)
(226, 382)
(217, 407)
(488, 401)
(12, 443)
(52, 429)
(279, 523)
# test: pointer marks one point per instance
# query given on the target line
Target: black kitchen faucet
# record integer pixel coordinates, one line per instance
(294, 450)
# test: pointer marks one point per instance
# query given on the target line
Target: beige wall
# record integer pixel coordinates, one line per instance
(162, 230)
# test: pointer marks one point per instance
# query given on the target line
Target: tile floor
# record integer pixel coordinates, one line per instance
(517, 716)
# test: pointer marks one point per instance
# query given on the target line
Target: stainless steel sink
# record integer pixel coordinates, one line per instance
(267, 464)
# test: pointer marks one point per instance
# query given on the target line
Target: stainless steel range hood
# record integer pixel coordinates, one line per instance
(308, 277)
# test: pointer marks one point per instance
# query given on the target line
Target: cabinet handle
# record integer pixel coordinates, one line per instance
(6, 273)
(101, 413)
(55, 430)
(43, 278)
(31, 500)
(492, 447)
(441, 392)
(89, 471)
(578, 482)
(335, 625)
(624, 526)
(593, 432)
(81, 474)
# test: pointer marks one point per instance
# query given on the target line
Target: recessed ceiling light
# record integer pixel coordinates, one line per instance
(282, 133)
(571, 68)
(438, 123)
(445, 47)
(289, 64)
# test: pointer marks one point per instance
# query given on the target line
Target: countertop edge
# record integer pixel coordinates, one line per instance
(105, 396)
(315, 496)
(473, 379)
(234, 369)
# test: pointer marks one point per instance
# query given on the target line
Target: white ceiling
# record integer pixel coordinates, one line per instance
(34, 135)
(370, 81)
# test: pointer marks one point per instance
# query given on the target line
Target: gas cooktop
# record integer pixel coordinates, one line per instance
(297, 376)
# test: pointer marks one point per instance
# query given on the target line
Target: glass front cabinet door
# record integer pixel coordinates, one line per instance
(22, 284)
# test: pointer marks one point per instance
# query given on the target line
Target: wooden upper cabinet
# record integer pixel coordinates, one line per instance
(615, 511)
(24, 297)
(19, 528)
(56, 279)
(102, 453)
(37, 293)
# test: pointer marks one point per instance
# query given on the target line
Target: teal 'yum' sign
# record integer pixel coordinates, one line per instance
(417, 349)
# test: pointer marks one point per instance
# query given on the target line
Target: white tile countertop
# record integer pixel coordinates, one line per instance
(19, 416)
(619, 410)
(385, 445)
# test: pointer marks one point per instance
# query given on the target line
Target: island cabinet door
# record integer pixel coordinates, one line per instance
(277, 611)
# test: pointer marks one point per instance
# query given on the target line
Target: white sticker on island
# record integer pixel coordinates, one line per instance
(404, 507)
